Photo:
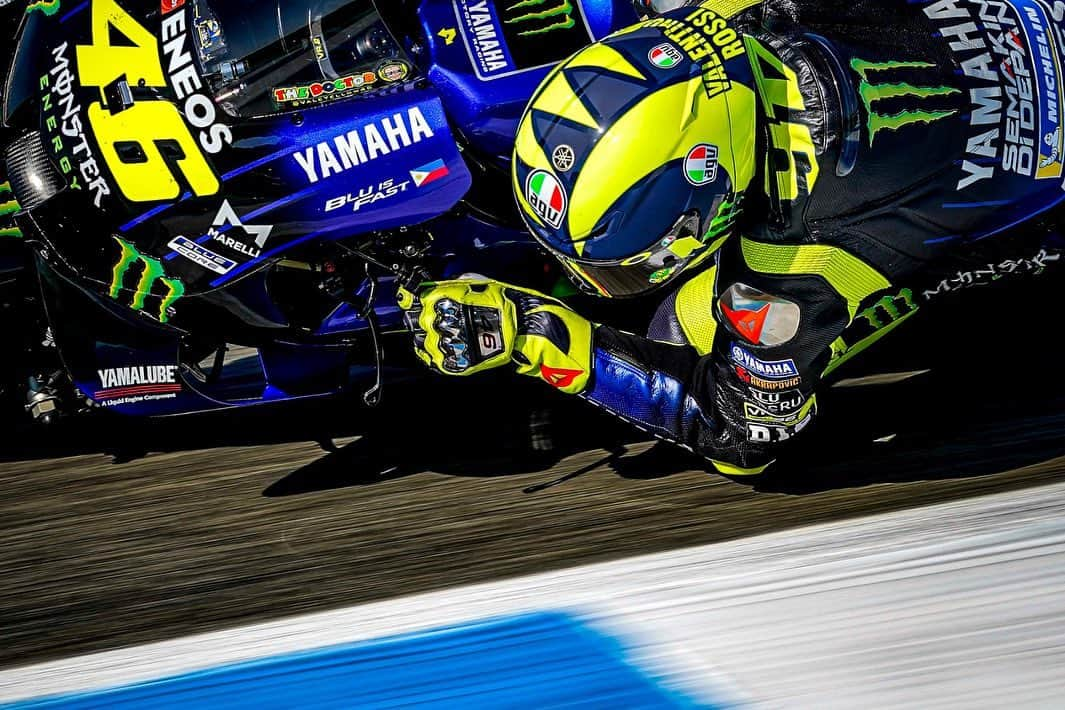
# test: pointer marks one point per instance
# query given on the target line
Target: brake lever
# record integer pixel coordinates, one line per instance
(409, 277)
(372, 396)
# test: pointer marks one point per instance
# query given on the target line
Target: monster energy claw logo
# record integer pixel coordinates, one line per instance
(874, 93)
(557, 17)
(8, 207)
(151, 274)
(8, 204)
(890, 308)
(48, 7)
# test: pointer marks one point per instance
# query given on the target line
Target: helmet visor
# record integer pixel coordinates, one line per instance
(662, 261)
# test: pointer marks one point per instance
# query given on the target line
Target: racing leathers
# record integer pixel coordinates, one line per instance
(893, 135)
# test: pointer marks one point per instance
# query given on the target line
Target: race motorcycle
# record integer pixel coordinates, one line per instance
(209, 204)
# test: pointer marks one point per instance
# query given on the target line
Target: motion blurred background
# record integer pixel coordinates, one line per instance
(702, 590)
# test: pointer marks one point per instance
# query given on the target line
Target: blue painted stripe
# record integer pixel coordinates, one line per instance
(256, 163)
(538, 660)
(1020, 220)
(942, 240)
(273, 252)
(246, 219)
(74, 12)
(967, 205)
(151, 213)
(140, 219)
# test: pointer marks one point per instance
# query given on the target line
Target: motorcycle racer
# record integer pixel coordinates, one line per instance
(787, 168)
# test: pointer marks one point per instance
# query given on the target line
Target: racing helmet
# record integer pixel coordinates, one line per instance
(632, 156)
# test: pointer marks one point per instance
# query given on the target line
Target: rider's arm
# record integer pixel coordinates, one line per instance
(730, 367)
(737, 379)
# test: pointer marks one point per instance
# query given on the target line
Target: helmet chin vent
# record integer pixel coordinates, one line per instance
(34, 179)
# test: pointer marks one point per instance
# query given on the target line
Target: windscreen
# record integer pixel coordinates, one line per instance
(268, 57)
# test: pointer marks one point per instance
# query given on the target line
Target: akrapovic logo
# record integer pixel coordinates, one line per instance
(879, 84)
(540, 17)
(151, 277)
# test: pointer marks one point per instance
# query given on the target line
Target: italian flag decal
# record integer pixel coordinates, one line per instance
(700, 167)
(665, 56)
(547, 197)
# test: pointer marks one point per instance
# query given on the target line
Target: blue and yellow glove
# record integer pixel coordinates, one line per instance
(470, 325)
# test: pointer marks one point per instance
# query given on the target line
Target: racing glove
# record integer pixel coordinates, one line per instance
(466, 326)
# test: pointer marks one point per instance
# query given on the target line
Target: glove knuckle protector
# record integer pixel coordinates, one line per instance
(465, 326)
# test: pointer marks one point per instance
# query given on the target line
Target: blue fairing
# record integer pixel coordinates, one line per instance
(484, 59)
(423, 178)
(485, 80)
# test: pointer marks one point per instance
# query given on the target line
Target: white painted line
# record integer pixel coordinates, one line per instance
(958, 604)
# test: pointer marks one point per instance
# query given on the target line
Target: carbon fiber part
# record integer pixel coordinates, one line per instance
(34, 179)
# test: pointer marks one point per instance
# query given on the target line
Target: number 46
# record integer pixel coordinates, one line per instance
(143, 173)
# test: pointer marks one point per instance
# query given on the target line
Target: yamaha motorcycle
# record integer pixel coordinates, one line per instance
(209, 205)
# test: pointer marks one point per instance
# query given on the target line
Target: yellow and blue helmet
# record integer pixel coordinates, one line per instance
(633, 155)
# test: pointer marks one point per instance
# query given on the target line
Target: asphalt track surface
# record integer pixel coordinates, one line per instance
(117, 532)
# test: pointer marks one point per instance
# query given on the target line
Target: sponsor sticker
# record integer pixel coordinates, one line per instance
(504, 37)
(661, 275)
(45, 7)
(700, 165)
(770, 434)
(65, 133)
(151, 280)
(393, 71)
(209, 33)
(323, 91)
(763, 384)
(759, 318)
(363, 144)
(227, 218)
(777, 403)
(430, 172)
(318, 43)
(558, 377)
(167, 6)
(665, 56)
(202, 255)
(123, 385)
(990, 273)
(757, 413)
(769, 369)
(368, 195)
(563, 158)
(448, 34)
(749, 320)
(547, 197)
(707, 40)
(1011, 58)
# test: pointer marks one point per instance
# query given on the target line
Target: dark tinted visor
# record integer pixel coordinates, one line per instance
(667, 257)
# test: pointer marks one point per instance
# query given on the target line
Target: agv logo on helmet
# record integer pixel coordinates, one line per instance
(547, 197)
(700, 165)
(665, 56)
